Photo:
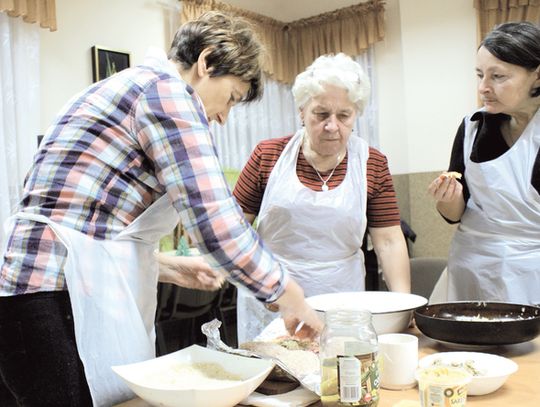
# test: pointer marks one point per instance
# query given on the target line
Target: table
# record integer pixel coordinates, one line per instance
(522, 389)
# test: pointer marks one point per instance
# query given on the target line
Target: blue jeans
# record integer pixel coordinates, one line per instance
(39, 362)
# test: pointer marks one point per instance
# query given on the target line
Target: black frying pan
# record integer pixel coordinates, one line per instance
(479, 323)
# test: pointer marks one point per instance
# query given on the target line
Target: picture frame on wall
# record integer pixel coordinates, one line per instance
(107, 62)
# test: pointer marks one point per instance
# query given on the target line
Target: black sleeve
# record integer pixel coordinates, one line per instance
(535, 177)
(457, 163)
(457, 159)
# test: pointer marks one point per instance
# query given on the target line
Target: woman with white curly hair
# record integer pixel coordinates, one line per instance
(315, 193)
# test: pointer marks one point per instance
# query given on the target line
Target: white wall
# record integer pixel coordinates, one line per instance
(425, 66)
(66, 63)
(426, 80)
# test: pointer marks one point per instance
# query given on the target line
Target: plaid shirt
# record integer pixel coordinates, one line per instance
(114, 149)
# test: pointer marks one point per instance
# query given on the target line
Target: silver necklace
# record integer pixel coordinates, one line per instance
(324, 181)
(324, 187)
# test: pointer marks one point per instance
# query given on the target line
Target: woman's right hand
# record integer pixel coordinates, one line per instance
(445, 189)
(448, 193)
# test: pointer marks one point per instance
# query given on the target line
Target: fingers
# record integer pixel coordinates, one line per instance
(445, 189)
(189, 272)
(450, 192)
(313, 321)
(206, 273)
(291, 324)
(434, 186)
(195, 264)
(303, 322)
(294, 309)
(208, 279)
(306, 332)
(198, 281)
(302, 329)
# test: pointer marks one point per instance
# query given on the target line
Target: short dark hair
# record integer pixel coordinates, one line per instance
(516, 43)
(235, 49)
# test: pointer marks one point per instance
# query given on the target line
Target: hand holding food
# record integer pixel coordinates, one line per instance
(446, 188)
(189, 272)
(450, 174)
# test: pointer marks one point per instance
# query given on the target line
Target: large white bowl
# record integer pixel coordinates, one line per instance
(392, 312)
(138, 376)
(493, 369)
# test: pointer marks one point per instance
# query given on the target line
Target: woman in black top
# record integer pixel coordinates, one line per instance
(495, 253)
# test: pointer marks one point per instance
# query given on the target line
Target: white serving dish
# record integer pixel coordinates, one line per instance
(392, 312)
(138, 376)
(494, 370)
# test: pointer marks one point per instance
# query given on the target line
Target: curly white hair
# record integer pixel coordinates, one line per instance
(339, 70)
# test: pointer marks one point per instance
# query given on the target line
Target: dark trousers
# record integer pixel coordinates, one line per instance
(39, 362)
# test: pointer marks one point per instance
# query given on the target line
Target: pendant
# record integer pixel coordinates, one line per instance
(324, 187)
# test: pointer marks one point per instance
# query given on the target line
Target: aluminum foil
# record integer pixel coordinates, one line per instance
(275, 329)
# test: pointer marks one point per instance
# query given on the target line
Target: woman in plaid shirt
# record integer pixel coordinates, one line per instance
(124, 161)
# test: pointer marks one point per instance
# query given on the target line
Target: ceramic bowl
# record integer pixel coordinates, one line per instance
(489, 372)
(162, 382)
(392, 312)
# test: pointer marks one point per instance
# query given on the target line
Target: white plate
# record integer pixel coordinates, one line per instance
(140, 377)
(494, 369)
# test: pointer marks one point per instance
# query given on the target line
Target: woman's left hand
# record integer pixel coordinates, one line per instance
(189, 272)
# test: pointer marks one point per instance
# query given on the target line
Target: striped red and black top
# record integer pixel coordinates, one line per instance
(382, 207)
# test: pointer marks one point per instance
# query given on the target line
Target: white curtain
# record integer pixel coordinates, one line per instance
(19, 109)
(276, 115)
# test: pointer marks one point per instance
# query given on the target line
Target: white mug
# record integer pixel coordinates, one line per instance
(398, 360)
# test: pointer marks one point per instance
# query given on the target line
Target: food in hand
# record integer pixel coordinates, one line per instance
(451, 174)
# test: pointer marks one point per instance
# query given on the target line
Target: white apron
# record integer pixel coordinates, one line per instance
(112, 286)
(317, 236)
(495, 253)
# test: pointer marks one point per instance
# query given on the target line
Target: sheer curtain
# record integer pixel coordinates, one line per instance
(19, 109)
(276, 115)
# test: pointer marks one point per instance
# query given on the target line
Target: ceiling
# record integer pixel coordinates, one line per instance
(291, 10)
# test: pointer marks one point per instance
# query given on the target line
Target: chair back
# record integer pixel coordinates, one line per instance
(175, 302)
(179, 315)
(425, 272)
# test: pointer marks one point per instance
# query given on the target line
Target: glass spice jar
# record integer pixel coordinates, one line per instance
(348, 354)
